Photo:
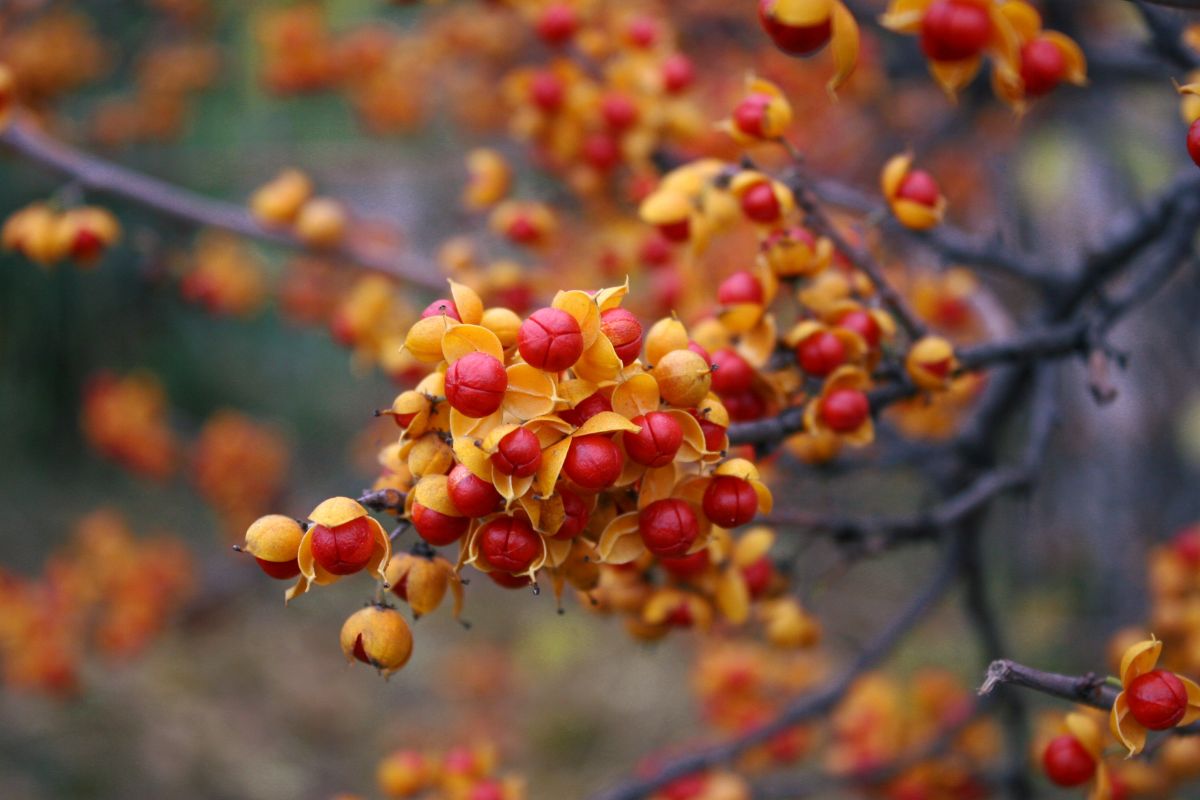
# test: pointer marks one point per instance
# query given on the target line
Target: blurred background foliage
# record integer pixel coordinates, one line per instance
(244, 699)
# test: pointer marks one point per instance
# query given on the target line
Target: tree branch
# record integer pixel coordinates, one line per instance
(105, 177)
(806, 706)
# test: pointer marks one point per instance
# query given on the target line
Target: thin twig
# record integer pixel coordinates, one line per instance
(97, 175)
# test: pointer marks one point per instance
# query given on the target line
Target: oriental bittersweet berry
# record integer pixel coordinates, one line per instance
(471, 495)
(379, 636)
(1157, 699)
(686, 567)
(798, 40)
(920, 187)
(576, 512)
(677, 73)
(659, 439)
(475, 384)
(729, 501)
(820, 354)
(274, 541)
(509, 544)
(1043, 66)
(844, 410)
(731, 374)
(684, 378)
(439, 307)
(1193, 142)
(955, 30)
(740, 287)
(550, 340)
(668, 527)
(518, 454)
(760, 203)
(437, 528)
(624, 331)
(1067, 762)
(343, 549)
(862, 323)
(593, 462)
(557, 24)
(585, 409)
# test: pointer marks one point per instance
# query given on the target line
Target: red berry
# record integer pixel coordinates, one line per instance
(655, 251)
(731, 374)
(510, 581)
(585, 409)
(618, 110)
(820, 354)
(557, 24)
(1193, 142)
(844, 410)
(509, 544)
(577, 515)
(862, 323)
(642, 31)
(730, 501)
(550, 339)
(679, 231)
(793, 39)
(519, 453)
(714, 434)
(760, 204)
(624, 331)
(689, 787)
(758, 576)
(695, 347)
(1043, 66)
(343, 549)
(602, 151)
(475, 384)
(686, 567)
(750, 114)
(471, 495)
(1067, 763)
(1187, 545)
(593, 462)
(546, 90)
(744, 406)
(522, 230)
(437, 528)
(656, 444)
(668, 527)
(919, 187)
(954, 31)
(441, 306)
(678, 73)
(681, 616)
(488, 790)
(1158, 699)
(280, 570)
(740, 287)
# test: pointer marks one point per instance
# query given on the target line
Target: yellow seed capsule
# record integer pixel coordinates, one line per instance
(404, 773)
(279, 202)
(504, 323)
(664, 336)
(931, 363)
(683, 378)
(379, 636)
(430, 455)
(273, 538)
(84, 234)
(321, 222)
